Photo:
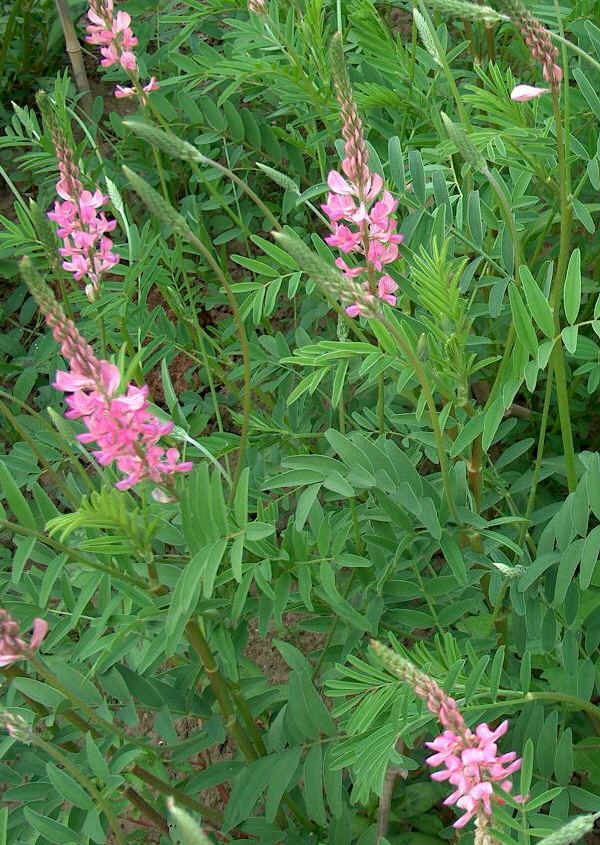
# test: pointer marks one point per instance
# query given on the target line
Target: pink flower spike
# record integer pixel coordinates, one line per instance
(523, 93)
(353, 310)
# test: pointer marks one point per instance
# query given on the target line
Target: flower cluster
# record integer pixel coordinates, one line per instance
(472, 766)
(86, 248)
(359, 199)
(116, 39)
(539, 41)
(374, 236)
(12, 646)
(126, 432)
(471, 760)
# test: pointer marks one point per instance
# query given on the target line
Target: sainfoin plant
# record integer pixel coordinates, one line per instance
(300, 485)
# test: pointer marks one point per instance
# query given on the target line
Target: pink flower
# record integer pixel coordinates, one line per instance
(12, 646)
(385, 289)
(86, 249)
(344, 238)
(380, 254)
(349, 272)
(152, 85)
(472, 766)
(128, 60)
(339, 185)
(522, 93)
(338, 207)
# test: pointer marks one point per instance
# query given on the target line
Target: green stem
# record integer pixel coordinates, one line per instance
(245, 348)
(214, 816)
(381, 404)
(161, 173)
(200, 645)
(540, 453)
(420, 373)
(202, 159)
(445, 67)
(52, 751)
(558, 357)
(146, 810)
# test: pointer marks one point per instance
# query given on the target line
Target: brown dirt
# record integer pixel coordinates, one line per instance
(262, 651)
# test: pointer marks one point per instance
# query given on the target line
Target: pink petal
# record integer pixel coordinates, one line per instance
(338, 184)
(522, 93)
(40, 629)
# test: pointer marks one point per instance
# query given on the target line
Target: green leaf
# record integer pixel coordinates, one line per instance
(572, 287)
(52, 830)
(39, 691)
(306, 708)
(417, 174)
(332, 779)
(522, 320)
(68, 788)
(339, 604)
(187, 592)
(542, 799)
(283, 767)
(96, 761)
(589, 557)
(583, 215)
(474, 217)
(491, 420)
(24, 548)
(313, 785)
(569, 337)
(563, 758)
(467, 434)
(588, 91)
(454, 558)
(256, 266)
(396, 163)
(525, 672)
(537, 302)
(569, 561)
(16, 500)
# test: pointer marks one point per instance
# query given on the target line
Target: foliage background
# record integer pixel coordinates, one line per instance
(338, 529)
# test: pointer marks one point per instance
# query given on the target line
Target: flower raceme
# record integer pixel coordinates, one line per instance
(472, 766)
(471, 761)
(121, 424)
(374, 237)
(358, 198)
(113, 33)
(12, 646)
(83, 228)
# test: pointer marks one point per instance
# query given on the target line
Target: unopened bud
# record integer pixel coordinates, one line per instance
(17, 726)
(571, 832)
(464, 145)
(187, 827)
